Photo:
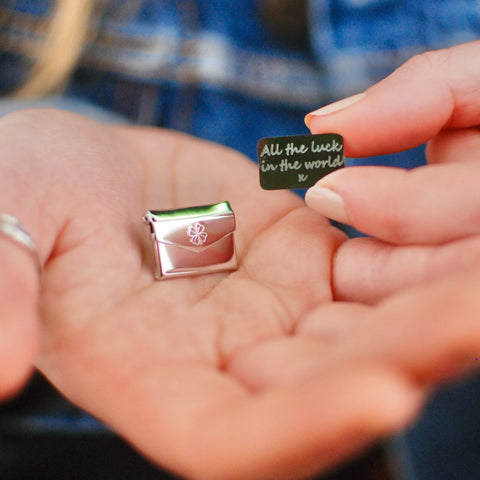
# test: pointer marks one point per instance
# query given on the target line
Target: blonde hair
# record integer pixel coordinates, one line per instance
(57, 56)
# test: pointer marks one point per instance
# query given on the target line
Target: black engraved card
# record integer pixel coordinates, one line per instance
(298, 161)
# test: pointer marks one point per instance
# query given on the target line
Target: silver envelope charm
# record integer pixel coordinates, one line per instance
(192, 241)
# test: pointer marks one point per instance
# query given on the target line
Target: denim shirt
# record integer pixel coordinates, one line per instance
(214, 69)
(217, 70)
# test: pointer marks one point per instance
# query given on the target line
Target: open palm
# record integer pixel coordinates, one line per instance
(233, 375)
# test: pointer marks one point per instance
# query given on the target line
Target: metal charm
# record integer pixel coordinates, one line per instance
(192, 241)
(298, 161)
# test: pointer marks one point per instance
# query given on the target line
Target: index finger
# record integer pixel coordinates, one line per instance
(431, 92)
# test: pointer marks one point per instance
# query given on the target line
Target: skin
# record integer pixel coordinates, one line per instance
(198, 373)
(261, 373)
(425, 222)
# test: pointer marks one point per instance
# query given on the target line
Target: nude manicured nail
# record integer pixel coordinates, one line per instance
(334, 107)
(327, 202)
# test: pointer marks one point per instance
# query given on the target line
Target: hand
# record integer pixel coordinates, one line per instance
(420, 271)
(425, 223)
(242, 375)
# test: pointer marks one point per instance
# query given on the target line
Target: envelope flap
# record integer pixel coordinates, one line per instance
(194, 228)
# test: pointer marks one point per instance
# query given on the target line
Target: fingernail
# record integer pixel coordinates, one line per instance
(327, 202)
(334, 107)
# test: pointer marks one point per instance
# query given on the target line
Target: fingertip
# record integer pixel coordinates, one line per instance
(18, 349)
(386, 401)
(327, 202)
(17, 370)
(398, 405)
(19, 318)
(332, 108)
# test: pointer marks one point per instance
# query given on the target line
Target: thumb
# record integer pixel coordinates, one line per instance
(431, 92)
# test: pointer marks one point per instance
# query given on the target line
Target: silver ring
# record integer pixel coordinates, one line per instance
(12, 229)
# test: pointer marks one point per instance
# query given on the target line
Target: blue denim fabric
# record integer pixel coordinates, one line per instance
(361, 41)
(213, 69)
(445, 444)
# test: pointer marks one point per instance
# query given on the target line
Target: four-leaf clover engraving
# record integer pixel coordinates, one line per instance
(196, 232)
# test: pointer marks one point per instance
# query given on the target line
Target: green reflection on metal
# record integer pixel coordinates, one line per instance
(217, 209)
